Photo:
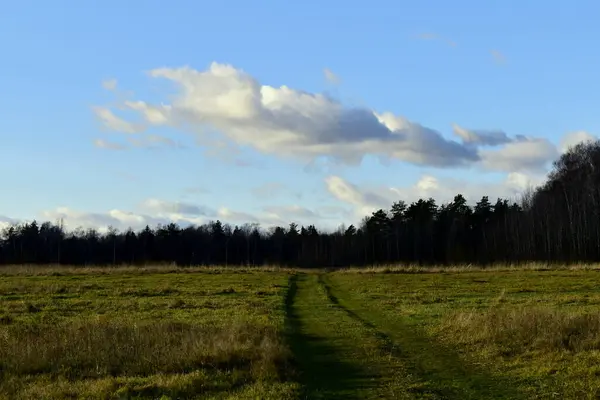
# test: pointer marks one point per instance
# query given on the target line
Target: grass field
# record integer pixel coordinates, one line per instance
(167, 333)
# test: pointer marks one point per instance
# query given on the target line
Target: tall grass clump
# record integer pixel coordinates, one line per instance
(516, 331)
(67, 270)
(94, 349)
(461, 268)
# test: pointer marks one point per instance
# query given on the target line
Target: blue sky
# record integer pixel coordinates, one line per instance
(481, 98)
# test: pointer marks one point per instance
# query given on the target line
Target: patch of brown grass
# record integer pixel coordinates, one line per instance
(516, 331)
(95, 349)
(66, 270)
(417, 269)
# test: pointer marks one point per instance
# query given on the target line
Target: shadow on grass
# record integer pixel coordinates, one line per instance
(320, 368)
(440, 369)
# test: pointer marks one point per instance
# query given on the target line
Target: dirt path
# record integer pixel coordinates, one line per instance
(338, 357)
(440, 370)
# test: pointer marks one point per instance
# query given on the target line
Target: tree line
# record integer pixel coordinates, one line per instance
(557, 222)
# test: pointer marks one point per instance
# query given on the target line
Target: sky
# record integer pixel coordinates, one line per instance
(127, 113)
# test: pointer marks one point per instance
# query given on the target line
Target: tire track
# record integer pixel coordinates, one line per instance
(439, 370)
(335, 355)
(321, 370)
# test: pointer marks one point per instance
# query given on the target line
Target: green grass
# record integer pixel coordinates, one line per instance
(127, 334)
(248, 333)
(534, 332)
(337, 356)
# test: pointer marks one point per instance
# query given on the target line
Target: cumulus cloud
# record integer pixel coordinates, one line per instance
(162, 207)
(271, 216)
(481, 137)
(523, 154)
(292, 123)
(156, 115)
(119, 219)
(572, 139)
(327, 217)
(151, 212)
(123, 220)
(363, 201)
(5, 222)
(508, 154)
(154, 211)
(366, 200)
(444, 190)
(227, 108)
(353, 202)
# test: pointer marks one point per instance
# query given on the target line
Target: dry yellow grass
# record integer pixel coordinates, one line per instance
(59, 270)
(155, 332)
(417, 269)
(100, 348)
(212, 332)
(515, 331)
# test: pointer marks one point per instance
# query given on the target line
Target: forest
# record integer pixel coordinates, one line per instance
(557, 222)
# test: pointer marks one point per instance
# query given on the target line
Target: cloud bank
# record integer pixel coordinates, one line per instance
(365, 200)
(225, 107)
(153, 212)
(353, 203)
(229, 104)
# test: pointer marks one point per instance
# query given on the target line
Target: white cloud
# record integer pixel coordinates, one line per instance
(112, 122)
(156, 115)
(227, 109)
(119, 219)
(424, 146)
(331, 77)
(574, 138)
(481, 137)
(5, 222)
(109, 84)
(156, 211)
(365, 200)
(123, 220)
(279, 216)
(523, 154)
(327, 217)
(444, 190)
(292, 123)
(507, 154)
(165, 208)
(105, 144)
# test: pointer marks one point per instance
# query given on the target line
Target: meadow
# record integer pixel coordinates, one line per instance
(270, 333)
